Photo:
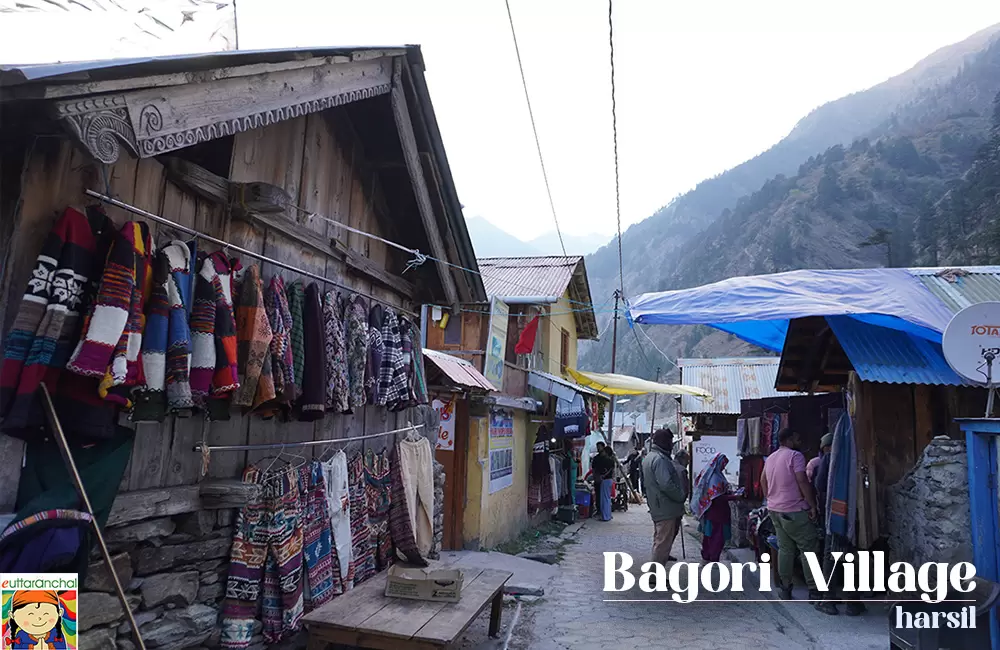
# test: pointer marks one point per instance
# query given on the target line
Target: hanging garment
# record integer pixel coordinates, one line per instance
(357, 350)
(338, 500)
(766, 424)
(166, 340)
(571, 418)
(751, 469)
(540, 454)
(776, 427)
(409, 397)
(526, 341)
(47, 327)
(417, 473)
(842, 483)
(203, 332)
(379, 487)
(312, 402)
(215, 285)
(418, 388)
(554, 485)
(392, 375)
(741, 437)
(253, 337)
(265, 566)
(111, 340)
(280, 318)
(400, 526)
(317, 541)
(364, 558)
(338, 382)
(375, 349)
(753, 434)
(296, 297)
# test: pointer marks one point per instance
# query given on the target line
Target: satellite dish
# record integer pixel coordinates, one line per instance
(971, 345)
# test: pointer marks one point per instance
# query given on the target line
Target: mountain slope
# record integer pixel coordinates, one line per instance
(886, 199)
(548, 243)
(490, 241)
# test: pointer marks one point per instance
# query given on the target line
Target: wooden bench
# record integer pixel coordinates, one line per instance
(366, 618)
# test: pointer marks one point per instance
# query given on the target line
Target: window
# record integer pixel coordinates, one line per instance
(564, 351)
(453, 330)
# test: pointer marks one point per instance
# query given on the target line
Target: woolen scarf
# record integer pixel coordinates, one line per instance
(253, 336)
(312, 403)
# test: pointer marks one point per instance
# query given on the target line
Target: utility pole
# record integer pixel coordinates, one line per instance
(614, 358)
(652, 420)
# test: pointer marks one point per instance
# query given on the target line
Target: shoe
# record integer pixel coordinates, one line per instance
(815, 596)
(671, 558)
(785, 593)
(827, 608)
(856, 609)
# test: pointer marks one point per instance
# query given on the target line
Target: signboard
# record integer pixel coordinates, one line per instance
(496, 343)
(501, 449)
(446, 426)
(702, 452)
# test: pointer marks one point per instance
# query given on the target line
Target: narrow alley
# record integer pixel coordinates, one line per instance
(574, 613)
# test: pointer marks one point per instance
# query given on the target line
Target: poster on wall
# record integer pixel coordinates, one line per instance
(446, 428)
(703, 450)
(501, 449)
(496, 342)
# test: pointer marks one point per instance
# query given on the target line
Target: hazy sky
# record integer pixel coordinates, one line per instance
(701, 85)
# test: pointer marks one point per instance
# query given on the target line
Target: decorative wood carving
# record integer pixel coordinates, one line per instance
(157, 120)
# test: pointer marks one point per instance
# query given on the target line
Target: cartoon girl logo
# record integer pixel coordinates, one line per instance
(39, 620)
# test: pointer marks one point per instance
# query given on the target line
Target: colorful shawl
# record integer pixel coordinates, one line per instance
(312, 403)
(46, 326)
(253, 336)
(337, 376)
(710, 483)
(280, 318)
(357, 350)
(112, 331)
(842, 484)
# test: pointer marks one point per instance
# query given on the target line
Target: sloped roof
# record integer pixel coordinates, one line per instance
(544, 277)
(458, 370)
(729, 380)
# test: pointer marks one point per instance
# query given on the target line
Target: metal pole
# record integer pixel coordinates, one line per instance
(74, 474)
(652, 420)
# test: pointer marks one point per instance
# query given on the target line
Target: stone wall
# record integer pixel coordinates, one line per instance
(928, 510)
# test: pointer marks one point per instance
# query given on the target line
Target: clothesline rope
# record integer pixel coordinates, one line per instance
(199, 448)
(227, 246)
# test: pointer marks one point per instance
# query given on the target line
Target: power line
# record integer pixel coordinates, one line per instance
(614, 131)
(534, 129)
(655, 347)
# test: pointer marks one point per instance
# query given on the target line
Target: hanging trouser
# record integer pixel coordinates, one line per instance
(400, 527)
(364, 559)
(378, 486)
(338, 501)
(417, 471)
(265, 561)
(317, 541)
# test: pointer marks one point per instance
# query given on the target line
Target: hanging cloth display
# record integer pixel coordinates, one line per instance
(312, 402)
(400, 524)
(335, 330)
(571, 419)
(253, 339)
(375, 350)
(378, 483)
(280, 319)
(364, 558)
(317, 541)
(338, 499)
(416, 468)
(295, 295)
(357, 350)
(392, 386)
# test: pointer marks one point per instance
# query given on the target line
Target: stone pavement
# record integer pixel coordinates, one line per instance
(574, 615)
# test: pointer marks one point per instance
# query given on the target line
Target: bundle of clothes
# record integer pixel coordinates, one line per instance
(317, 530)
(110, 322)
(759, 436)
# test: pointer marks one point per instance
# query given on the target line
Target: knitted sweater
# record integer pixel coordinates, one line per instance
(392, 382)
(337, 377)
(296, 296)
(357, 350)
(253, 335)
(312, 403)
(280, 318)
(47, 326)
(112, 331)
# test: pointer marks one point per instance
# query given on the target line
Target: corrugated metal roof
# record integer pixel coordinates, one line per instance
(458, 370)
(557, 386)
(882, 354)
(729, 380)
(959, 287)
(528, 276)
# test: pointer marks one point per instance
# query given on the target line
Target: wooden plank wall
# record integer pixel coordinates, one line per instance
(320, 172)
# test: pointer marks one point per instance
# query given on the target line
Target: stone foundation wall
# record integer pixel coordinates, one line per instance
(928, 510)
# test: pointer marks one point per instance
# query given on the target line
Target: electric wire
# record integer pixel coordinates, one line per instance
(534, 129)
(614, 132)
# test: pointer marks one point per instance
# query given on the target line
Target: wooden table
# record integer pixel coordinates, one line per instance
(366, 618)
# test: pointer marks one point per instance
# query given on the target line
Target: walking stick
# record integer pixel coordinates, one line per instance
(683, 550)
(67, 455)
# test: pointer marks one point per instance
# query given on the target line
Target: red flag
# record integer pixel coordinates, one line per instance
(526, 342)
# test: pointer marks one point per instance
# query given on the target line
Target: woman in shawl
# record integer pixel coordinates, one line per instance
(710, 504)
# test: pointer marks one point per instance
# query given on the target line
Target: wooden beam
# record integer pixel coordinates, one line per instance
(411, 155)
(361, 265)
(166, 502)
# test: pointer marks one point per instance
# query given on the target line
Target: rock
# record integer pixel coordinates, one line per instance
(99, 639)
(545, 557)
(141, 618)
(140, 532)
(181, 628)
(523, 590)
(126, 644)
(157, 560)
(180, 538)
(198, 524)
(170, 588)
(98, 608)
(226, 517)
(211, 593)
(209, 565)
(99, 578)
(134, 584)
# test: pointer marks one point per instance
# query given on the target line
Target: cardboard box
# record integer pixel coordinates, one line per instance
(439, 585)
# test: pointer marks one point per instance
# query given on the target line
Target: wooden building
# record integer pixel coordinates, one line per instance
(348, 134)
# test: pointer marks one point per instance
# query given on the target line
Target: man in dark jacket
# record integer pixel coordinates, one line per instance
(664, 494)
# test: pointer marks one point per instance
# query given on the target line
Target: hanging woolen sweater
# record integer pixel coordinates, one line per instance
(357, 350)
(392, 387)
(254, 343)
(166, 343)
(112, 331)
(295, 293)
(375, 350)
(312, 403)
(337, 376)
(214, 371)
(280, 318)
(46, 328)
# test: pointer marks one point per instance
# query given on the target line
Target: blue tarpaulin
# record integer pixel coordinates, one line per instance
(758, 308)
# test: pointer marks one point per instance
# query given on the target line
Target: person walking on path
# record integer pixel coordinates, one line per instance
(664, 494)
(710, 504)
(604, 470)
(792, 507)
